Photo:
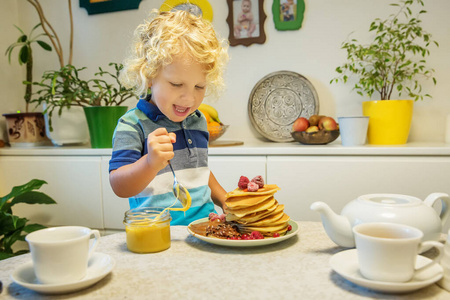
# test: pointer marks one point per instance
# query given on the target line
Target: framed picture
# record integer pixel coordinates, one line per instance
(102, 6)
(288, 14)
(246, 21)
(196, 7)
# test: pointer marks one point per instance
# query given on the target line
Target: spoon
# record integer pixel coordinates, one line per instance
(180, 192)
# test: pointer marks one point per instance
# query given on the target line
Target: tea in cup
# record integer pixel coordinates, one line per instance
(60, 254)
(387, 251)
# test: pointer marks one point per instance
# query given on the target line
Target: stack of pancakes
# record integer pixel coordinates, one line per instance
(257, 210)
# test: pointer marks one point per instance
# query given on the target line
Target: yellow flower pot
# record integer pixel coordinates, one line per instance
(389, 121)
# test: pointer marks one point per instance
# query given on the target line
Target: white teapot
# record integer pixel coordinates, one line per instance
(393, 208)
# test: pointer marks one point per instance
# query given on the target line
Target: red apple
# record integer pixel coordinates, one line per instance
(300, 124)
(312, 129)
(327, 123)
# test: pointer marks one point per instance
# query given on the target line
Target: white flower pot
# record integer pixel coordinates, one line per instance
(69, 128)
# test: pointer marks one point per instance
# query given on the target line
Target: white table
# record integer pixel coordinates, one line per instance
(297, 268)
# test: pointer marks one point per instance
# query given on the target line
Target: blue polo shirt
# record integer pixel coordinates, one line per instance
(190, 162)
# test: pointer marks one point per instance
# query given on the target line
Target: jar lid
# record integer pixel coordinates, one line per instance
(146, 215)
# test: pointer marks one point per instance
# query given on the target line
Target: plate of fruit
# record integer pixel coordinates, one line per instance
(317, 130)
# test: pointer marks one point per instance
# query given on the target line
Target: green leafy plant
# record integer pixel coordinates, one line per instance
(395, 60)
(24, 42)
(64, 88)
(12, 228)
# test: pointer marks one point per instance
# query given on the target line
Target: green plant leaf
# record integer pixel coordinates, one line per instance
(10, 239)
(44, 45)
(33, 184)
(10, 222)
(12, 227)
(33, 227)
(31, 197)
(22, 39)
(4, 255)
(23, 55)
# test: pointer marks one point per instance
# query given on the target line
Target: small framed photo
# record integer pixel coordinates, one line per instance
(246, 22)
(288, 14)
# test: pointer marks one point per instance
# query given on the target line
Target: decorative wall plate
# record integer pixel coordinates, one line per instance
(196, 7)
(277, 100)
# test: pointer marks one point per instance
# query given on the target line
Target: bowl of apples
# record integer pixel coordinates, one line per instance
(317, 130)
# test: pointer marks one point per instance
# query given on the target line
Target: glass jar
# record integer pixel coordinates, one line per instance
(147, 229)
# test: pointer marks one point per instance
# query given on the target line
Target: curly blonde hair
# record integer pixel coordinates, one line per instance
(167, 34)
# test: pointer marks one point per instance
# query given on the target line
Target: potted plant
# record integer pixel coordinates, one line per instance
(13, 227)
(101, 101)
(392, 64)
(70, 128)
(26, 128)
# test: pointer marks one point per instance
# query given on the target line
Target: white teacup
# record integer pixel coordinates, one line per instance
(60, 254)
(387, 251)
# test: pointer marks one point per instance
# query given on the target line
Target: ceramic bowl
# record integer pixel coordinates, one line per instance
(320, 137)
(216, 132)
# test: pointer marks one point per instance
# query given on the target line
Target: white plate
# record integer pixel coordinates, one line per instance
(277, 100)
(99, 266)
(245, 243)
(345, 263)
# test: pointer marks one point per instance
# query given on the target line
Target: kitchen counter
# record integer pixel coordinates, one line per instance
(258, 148)
(192, 269)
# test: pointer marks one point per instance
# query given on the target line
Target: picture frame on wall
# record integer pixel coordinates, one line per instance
(197, 7)
(246, 22)
(105, 6)
(288, 14)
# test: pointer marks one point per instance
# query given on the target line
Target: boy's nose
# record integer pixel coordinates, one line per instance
(189, 97)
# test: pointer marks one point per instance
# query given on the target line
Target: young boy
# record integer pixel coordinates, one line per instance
(179, 58)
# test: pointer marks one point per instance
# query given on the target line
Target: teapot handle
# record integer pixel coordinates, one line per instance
(445, 210)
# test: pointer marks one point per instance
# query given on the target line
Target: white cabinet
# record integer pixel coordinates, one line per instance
(114, 207)
(336, 180)
(73, 182)
(78, 177)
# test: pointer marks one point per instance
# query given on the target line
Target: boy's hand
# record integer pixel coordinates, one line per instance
(160, 148)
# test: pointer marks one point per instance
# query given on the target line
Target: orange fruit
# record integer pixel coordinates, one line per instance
(213, 124)
(214, 129)
(207, 116)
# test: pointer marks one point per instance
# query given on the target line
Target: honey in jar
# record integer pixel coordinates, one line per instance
(147, 229)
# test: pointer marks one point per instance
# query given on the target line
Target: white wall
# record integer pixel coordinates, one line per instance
(313, 51)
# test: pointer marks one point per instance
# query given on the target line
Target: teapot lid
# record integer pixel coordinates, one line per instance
(390, 200)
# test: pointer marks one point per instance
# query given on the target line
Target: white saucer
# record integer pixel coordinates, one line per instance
(99, 266)
(345, 263)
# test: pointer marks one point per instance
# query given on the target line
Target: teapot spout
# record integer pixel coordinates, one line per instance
(337, 227)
